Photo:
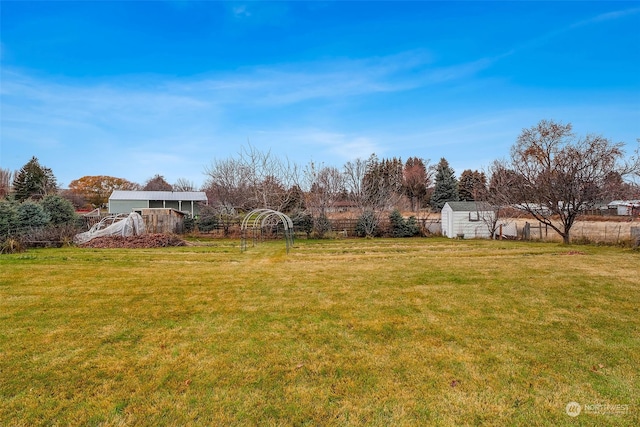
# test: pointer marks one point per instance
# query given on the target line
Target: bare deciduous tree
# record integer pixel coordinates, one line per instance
(255, 179)
(5, 182)
(382, 185)
(417, 178)
(183, 184)
(354, 172)
(157, 183)
(270, 178)
(324, 186)
(227, 184)
(559, 176)
(499, 195)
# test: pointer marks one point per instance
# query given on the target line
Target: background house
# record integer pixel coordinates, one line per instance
(189, 202)
(467, 220)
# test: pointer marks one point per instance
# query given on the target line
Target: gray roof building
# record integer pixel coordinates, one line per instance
(470, 206)
(122, 201)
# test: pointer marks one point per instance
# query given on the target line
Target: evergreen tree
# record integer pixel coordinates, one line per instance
(372, 180)
(59, 209)
(480, 187)
(34, 181)
(412, 227)
(382, 182)
(32, 215)
(446, 188)
(397, 224)
(472, 186)
(303, 221)
(401, 227)
(209, 219)
(466, 186)
(8, 218)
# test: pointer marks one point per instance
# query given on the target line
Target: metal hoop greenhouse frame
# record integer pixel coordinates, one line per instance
(256, 221)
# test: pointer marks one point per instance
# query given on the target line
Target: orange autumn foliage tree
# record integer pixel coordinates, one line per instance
(97, 189)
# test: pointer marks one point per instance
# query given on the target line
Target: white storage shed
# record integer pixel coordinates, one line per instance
(467, 220)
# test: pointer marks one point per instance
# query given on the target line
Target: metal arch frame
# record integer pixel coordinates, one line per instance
(256, 220)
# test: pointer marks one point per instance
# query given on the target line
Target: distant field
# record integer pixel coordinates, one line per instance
(339, 332)
(610, 232)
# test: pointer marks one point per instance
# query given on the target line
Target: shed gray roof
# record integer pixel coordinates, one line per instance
(469, 206)
(185, 196)
(624, 203)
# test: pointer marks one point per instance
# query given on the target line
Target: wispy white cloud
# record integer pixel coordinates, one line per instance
(608, 16)
(287, 84)
(43, 99)
(324, 144)
(259, 13)
(97, 126)
(547, 37)
(241, 11)
(137, 126)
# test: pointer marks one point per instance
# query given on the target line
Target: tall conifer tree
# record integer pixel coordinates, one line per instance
(446, 188)
(34, 181)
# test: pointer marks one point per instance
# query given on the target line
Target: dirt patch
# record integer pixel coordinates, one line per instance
(573, 253)
(135, 242)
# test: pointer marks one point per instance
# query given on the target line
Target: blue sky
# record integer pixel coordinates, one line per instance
(137, 88)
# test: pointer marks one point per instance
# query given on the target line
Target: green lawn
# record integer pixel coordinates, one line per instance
(338, 332)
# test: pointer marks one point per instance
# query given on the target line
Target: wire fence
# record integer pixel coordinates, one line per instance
(606, 232)
(581, 231)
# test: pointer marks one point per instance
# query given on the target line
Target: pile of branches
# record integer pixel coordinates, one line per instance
(135, 242)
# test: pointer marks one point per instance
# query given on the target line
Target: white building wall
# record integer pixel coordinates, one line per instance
(624, 209)
(457, 223)
(470, 229)
(446, 221)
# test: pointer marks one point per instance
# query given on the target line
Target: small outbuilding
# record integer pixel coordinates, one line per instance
(160, 220)
(467, 220)
(189, 202)
(625, 207)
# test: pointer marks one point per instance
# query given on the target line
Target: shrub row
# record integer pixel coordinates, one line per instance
(50, 221)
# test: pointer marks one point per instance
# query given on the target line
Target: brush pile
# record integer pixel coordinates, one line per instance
(135, 242)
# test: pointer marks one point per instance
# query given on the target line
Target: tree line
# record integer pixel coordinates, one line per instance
(551, 173)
